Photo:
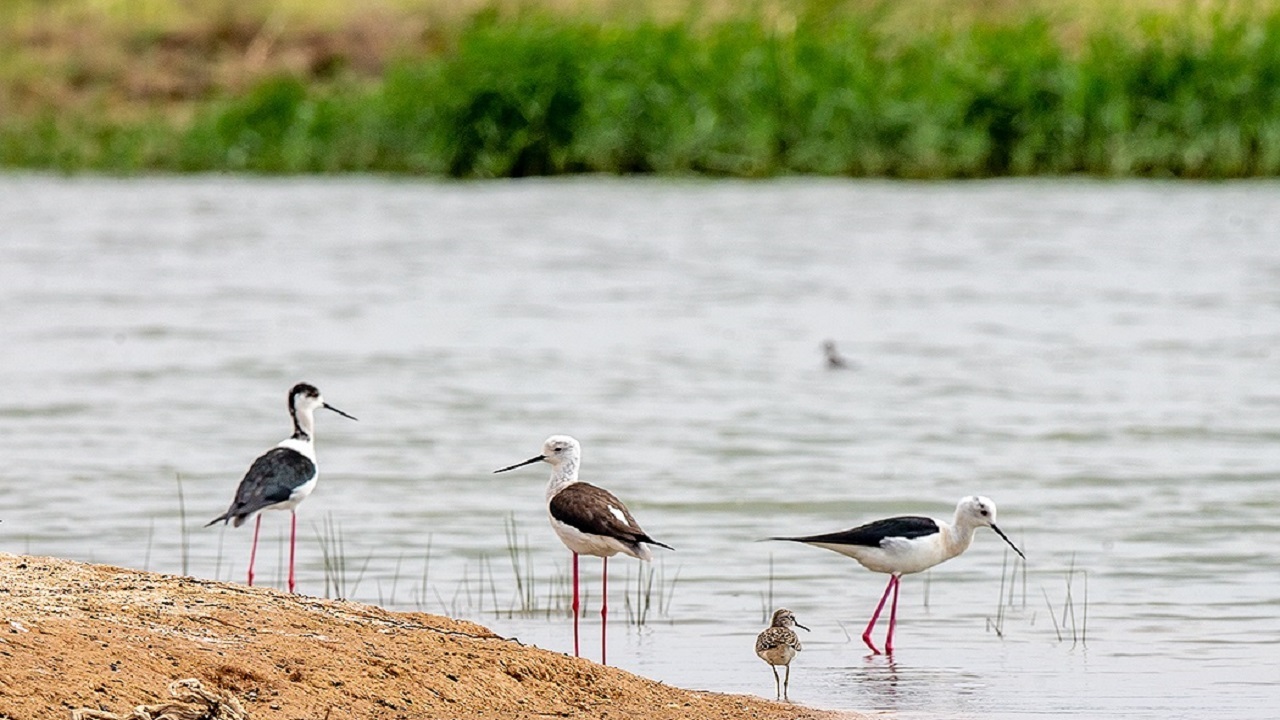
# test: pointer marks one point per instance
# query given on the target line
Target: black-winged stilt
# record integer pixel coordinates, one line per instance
(910, 544)
(283, 476)
(777, 645)
(589, 520)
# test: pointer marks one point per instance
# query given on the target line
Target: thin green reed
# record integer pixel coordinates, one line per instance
(521, 567)
(184, 540)
(338, 582)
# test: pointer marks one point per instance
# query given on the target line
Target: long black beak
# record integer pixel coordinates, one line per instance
(327, 406)
(534, 459)
(802, 627)
(1006, 539)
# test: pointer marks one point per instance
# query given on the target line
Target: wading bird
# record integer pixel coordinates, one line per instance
(835, 361)
(283, 476)
(777, 645)
(904, 545)
(589, 520)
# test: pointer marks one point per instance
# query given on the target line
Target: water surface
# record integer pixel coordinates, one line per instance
(1098, 358)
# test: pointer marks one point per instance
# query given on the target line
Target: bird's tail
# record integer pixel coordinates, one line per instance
(651, 541)
(223, 518)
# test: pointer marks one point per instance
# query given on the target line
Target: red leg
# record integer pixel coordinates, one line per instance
(253, 554)
(575, 605)
(893, 615)
(866, 634)
(293, 541)
(604, 613)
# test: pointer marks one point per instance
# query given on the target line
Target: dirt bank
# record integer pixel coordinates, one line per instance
(74, 635)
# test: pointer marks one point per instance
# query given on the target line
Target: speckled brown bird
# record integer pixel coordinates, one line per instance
(777, 645)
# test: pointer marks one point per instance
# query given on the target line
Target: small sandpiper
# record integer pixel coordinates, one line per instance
(778, 645)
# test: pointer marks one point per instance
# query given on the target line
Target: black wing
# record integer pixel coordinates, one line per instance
(271, 480)
(585, 507)
(873, 533)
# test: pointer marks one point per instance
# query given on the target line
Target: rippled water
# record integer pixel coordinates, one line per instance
(1099, 358)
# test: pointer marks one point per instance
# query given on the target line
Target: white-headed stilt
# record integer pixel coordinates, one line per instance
(910, 544)
(589, 520)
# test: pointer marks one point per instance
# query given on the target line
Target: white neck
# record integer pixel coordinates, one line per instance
(304, 424)
(958, 535)
(562, 476)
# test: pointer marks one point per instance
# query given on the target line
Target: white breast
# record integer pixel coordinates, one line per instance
(585, 544)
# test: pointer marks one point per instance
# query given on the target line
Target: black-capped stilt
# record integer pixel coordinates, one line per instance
(283, 476)
(589, 520)
(904, 545)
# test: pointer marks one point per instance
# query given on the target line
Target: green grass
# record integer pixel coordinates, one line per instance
(338, 581)
(1175, 93)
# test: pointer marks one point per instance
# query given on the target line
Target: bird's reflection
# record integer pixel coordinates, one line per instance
(890, 686)
(880, 678)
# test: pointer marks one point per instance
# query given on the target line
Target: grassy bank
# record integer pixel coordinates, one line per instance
(926, 89)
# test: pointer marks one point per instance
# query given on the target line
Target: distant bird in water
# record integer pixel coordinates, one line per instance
(283, 476)
(904, 545)
(835, 361)
(777, 645)
(589, 521)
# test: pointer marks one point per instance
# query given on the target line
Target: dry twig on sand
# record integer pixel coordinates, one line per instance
(191, 702)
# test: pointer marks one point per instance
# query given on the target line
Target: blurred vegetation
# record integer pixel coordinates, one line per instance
(914, 88)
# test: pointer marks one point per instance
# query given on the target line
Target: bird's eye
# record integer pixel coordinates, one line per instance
(984, 512)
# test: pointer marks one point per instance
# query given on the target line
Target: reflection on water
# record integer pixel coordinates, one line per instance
(879, 677)
(1098, 358)
(907, 689)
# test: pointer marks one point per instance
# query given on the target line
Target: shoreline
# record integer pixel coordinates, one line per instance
(78, 635)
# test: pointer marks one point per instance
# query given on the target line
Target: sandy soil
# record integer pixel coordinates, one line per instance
(74, 636)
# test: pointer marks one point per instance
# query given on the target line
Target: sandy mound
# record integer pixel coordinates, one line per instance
(89, 636)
